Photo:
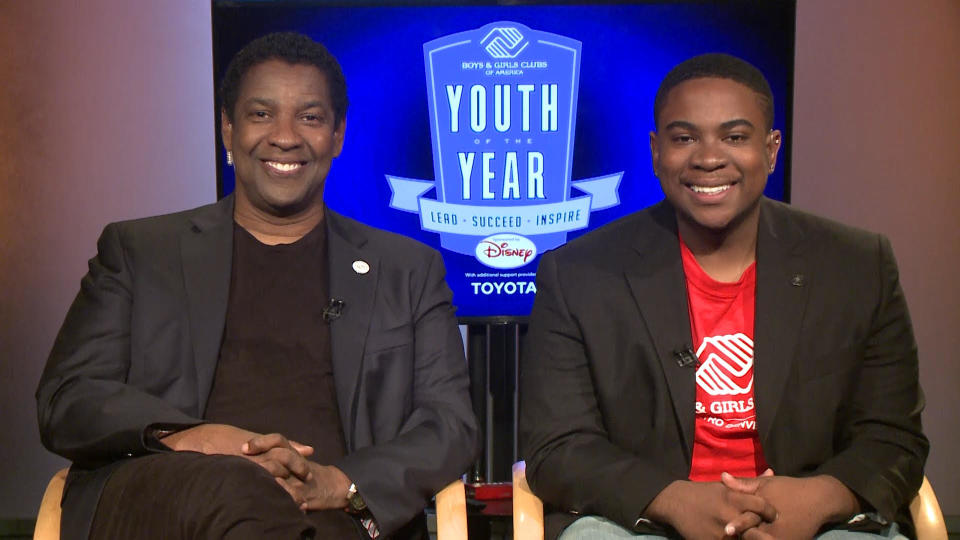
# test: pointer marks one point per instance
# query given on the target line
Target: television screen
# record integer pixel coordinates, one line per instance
(496, 132)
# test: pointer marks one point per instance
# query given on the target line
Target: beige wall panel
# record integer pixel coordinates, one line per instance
(877, 145)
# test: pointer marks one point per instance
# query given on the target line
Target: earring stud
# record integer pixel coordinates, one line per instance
(229, 158)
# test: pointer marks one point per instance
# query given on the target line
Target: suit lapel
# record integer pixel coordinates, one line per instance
(206, 252)
(781, 299)
(656, 279)
(356, 285)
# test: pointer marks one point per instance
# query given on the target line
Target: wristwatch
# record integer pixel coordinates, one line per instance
(355, 502)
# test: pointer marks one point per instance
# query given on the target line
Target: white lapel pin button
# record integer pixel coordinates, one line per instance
(361, 267)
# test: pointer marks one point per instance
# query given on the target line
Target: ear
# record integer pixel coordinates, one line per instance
(774, 139)
(338, 136)
(654, 152)
(226, 130)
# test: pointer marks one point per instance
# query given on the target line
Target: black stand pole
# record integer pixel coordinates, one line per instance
(493, 353)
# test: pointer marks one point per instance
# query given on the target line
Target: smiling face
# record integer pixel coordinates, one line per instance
(713, 153)
(283, 138)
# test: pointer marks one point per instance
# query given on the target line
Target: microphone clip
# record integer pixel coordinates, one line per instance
(333, 310)
(685, 357)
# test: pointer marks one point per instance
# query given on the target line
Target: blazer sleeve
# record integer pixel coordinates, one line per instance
(571, 461)
(881, 444)
(439, 438)
(86, 410)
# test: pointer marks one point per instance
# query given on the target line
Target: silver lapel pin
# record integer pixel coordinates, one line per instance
(361, 267)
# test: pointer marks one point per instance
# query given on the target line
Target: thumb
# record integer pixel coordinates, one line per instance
(302, 449)
(743, 485)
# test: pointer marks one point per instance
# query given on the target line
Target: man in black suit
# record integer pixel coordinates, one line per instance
(720, 364)
(305, 369)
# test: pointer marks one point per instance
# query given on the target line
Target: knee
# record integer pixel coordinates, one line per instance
(237, 471)
(235, 478)
(600, 528)
(236, 494)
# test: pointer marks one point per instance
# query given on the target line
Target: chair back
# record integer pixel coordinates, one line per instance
(527, 507)
(48, 518)
(452, 512)
(926, 514)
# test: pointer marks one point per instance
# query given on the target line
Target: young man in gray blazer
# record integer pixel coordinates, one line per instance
(720, 364)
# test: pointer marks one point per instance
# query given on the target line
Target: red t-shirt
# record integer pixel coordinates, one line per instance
(721, 323)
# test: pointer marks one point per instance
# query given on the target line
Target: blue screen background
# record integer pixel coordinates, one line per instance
(626, 51)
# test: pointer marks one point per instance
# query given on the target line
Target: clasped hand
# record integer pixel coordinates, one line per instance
(759, 508)
(311, 485)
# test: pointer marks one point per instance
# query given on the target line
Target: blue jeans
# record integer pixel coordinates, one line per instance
(598, 528)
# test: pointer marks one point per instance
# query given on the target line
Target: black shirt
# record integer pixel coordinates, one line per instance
(275, 372)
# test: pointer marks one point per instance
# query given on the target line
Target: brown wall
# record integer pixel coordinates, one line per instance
(106, 113)
(877, 145)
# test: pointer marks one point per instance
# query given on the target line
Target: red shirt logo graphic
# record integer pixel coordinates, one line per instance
(726, 363)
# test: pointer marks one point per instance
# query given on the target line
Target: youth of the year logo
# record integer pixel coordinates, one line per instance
(502, 102)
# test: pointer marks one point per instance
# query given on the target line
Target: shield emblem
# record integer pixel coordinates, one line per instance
(502, 101)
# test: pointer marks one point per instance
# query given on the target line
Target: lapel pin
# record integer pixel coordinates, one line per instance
(361, 267)
(796, 280)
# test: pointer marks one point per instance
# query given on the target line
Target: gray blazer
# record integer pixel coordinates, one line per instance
(607, 414)
(140, 345)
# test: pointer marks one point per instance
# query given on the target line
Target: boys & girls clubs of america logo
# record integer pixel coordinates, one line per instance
(502, 102)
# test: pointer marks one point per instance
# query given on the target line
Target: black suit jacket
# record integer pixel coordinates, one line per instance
(607, 414)
(140, 345)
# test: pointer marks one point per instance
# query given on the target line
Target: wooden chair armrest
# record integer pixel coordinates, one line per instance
(527, 507)
(926, 514)
(452, 512)
(48, 518)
